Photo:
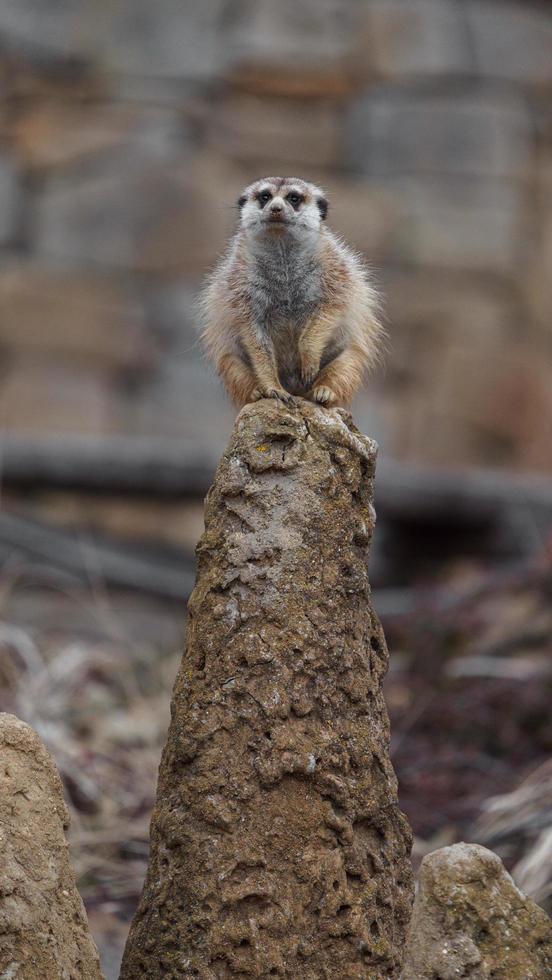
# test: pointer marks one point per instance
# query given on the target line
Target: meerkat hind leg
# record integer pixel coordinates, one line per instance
(312, 342)
(263, 363)
(338, 381)
(239, 380)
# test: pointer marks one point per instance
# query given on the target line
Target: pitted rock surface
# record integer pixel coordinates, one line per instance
(277, 844)
(470, 920)
(43, 927)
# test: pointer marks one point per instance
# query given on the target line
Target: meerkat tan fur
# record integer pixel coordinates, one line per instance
(290, 310)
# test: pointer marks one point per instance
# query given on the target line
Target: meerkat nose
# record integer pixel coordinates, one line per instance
(276, 206)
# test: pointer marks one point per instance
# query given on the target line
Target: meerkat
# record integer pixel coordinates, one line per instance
(290, 310)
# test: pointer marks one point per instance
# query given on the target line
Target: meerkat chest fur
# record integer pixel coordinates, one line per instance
(285, 286)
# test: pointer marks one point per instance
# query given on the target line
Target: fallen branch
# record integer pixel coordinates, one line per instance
(181, 469)
(49, 552)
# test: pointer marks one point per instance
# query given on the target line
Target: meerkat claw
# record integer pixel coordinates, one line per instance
(280, 394)
(308, 377)
(286, 398)
(323, 395)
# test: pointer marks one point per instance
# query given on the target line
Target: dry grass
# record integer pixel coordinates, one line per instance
(103, 711)
(521, 822)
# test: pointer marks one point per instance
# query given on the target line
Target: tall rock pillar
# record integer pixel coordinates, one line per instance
(277, 843)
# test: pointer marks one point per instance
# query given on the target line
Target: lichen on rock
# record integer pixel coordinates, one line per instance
(43, 927)
(470, 920)
(277, 844)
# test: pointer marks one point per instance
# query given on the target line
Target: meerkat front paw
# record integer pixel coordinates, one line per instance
(280, 393)
(323, 395)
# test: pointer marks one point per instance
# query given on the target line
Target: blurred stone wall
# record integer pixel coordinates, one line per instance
(128, 128)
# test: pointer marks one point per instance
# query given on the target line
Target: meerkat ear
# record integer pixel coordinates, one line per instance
(241, 201)
(322, 205)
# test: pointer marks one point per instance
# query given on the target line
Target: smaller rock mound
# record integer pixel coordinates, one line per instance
(43, 925)
(470, 920)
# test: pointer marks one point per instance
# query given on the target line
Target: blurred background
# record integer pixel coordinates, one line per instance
(127, 131)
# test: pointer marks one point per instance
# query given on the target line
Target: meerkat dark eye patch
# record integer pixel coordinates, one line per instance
(242, 200)
(322, 206)
(264, 197)
(295, 199)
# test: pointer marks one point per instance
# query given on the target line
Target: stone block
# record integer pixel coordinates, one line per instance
(41, 396)
(537, 283)
(196, 218)
(170, 38)
(83, 319)
(172, 313)
(455, 369)
(52, 134)
(362, 212)
(9, 199)
(421, 37)
(163, 218)
(409, 423)
(495, 404)
(310, 35)
(277, 133)
(456, 223)
(428, 315)
(61, 29)
(183, 400)
(479, 134)
(116, 175)
(448, 308)
(511, 40)
(107, 219)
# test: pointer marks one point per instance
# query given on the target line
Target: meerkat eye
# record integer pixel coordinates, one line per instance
(294, 199)
(264, 197)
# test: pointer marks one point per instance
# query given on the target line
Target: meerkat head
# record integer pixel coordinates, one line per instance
(276, 207)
